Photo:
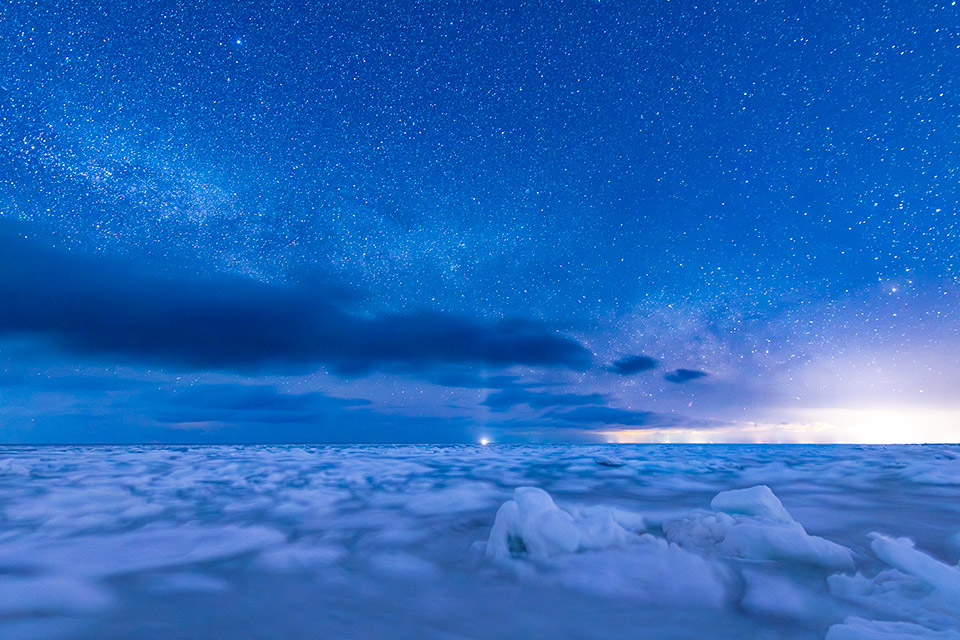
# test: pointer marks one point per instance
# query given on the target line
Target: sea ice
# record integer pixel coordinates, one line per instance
(236, 542)
(592, 549)
(752, 524)
(533, 525)
(918, 589)
(901, 554)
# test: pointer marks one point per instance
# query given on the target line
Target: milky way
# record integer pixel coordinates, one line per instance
(684, 222)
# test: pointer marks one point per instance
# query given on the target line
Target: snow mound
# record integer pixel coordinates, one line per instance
(533, 525)
(752, 524)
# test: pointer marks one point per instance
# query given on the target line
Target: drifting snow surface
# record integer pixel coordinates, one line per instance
(795, 542)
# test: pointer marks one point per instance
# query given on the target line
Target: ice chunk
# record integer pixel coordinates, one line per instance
(591, 550)
(599, 529)
(702, 533)
(609, 461)
(900, 553)
(860, 629)
(532, 524)
(784, 541)
(756, 501)
(919, 588)
(752, 524)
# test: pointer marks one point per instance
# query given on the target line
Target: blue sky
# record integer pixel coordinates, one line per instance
(430, 221)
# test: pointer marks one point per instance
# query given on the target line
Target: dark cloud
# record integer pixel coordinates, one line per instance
(509, 398)
(679, 376)
(96, 305)
(631, 365)
(609, 416)
(236, 404)
(93, 411)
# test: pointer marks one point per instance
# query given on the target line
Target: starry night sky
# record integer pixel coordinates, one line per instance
(454, 221)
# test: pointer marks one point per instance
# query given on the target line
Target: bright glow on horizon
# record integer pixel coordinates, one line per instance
(817, 426)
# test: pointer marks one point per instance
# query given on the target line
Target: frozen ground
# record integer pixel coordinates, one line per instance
(480, 542)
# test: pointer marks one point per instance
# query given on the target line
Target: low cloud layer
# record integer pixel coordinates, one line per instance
(103, 306)
(509, 398)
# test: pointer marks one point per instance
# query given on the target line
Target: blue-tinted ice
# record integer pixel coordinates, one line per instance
(480, 542)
